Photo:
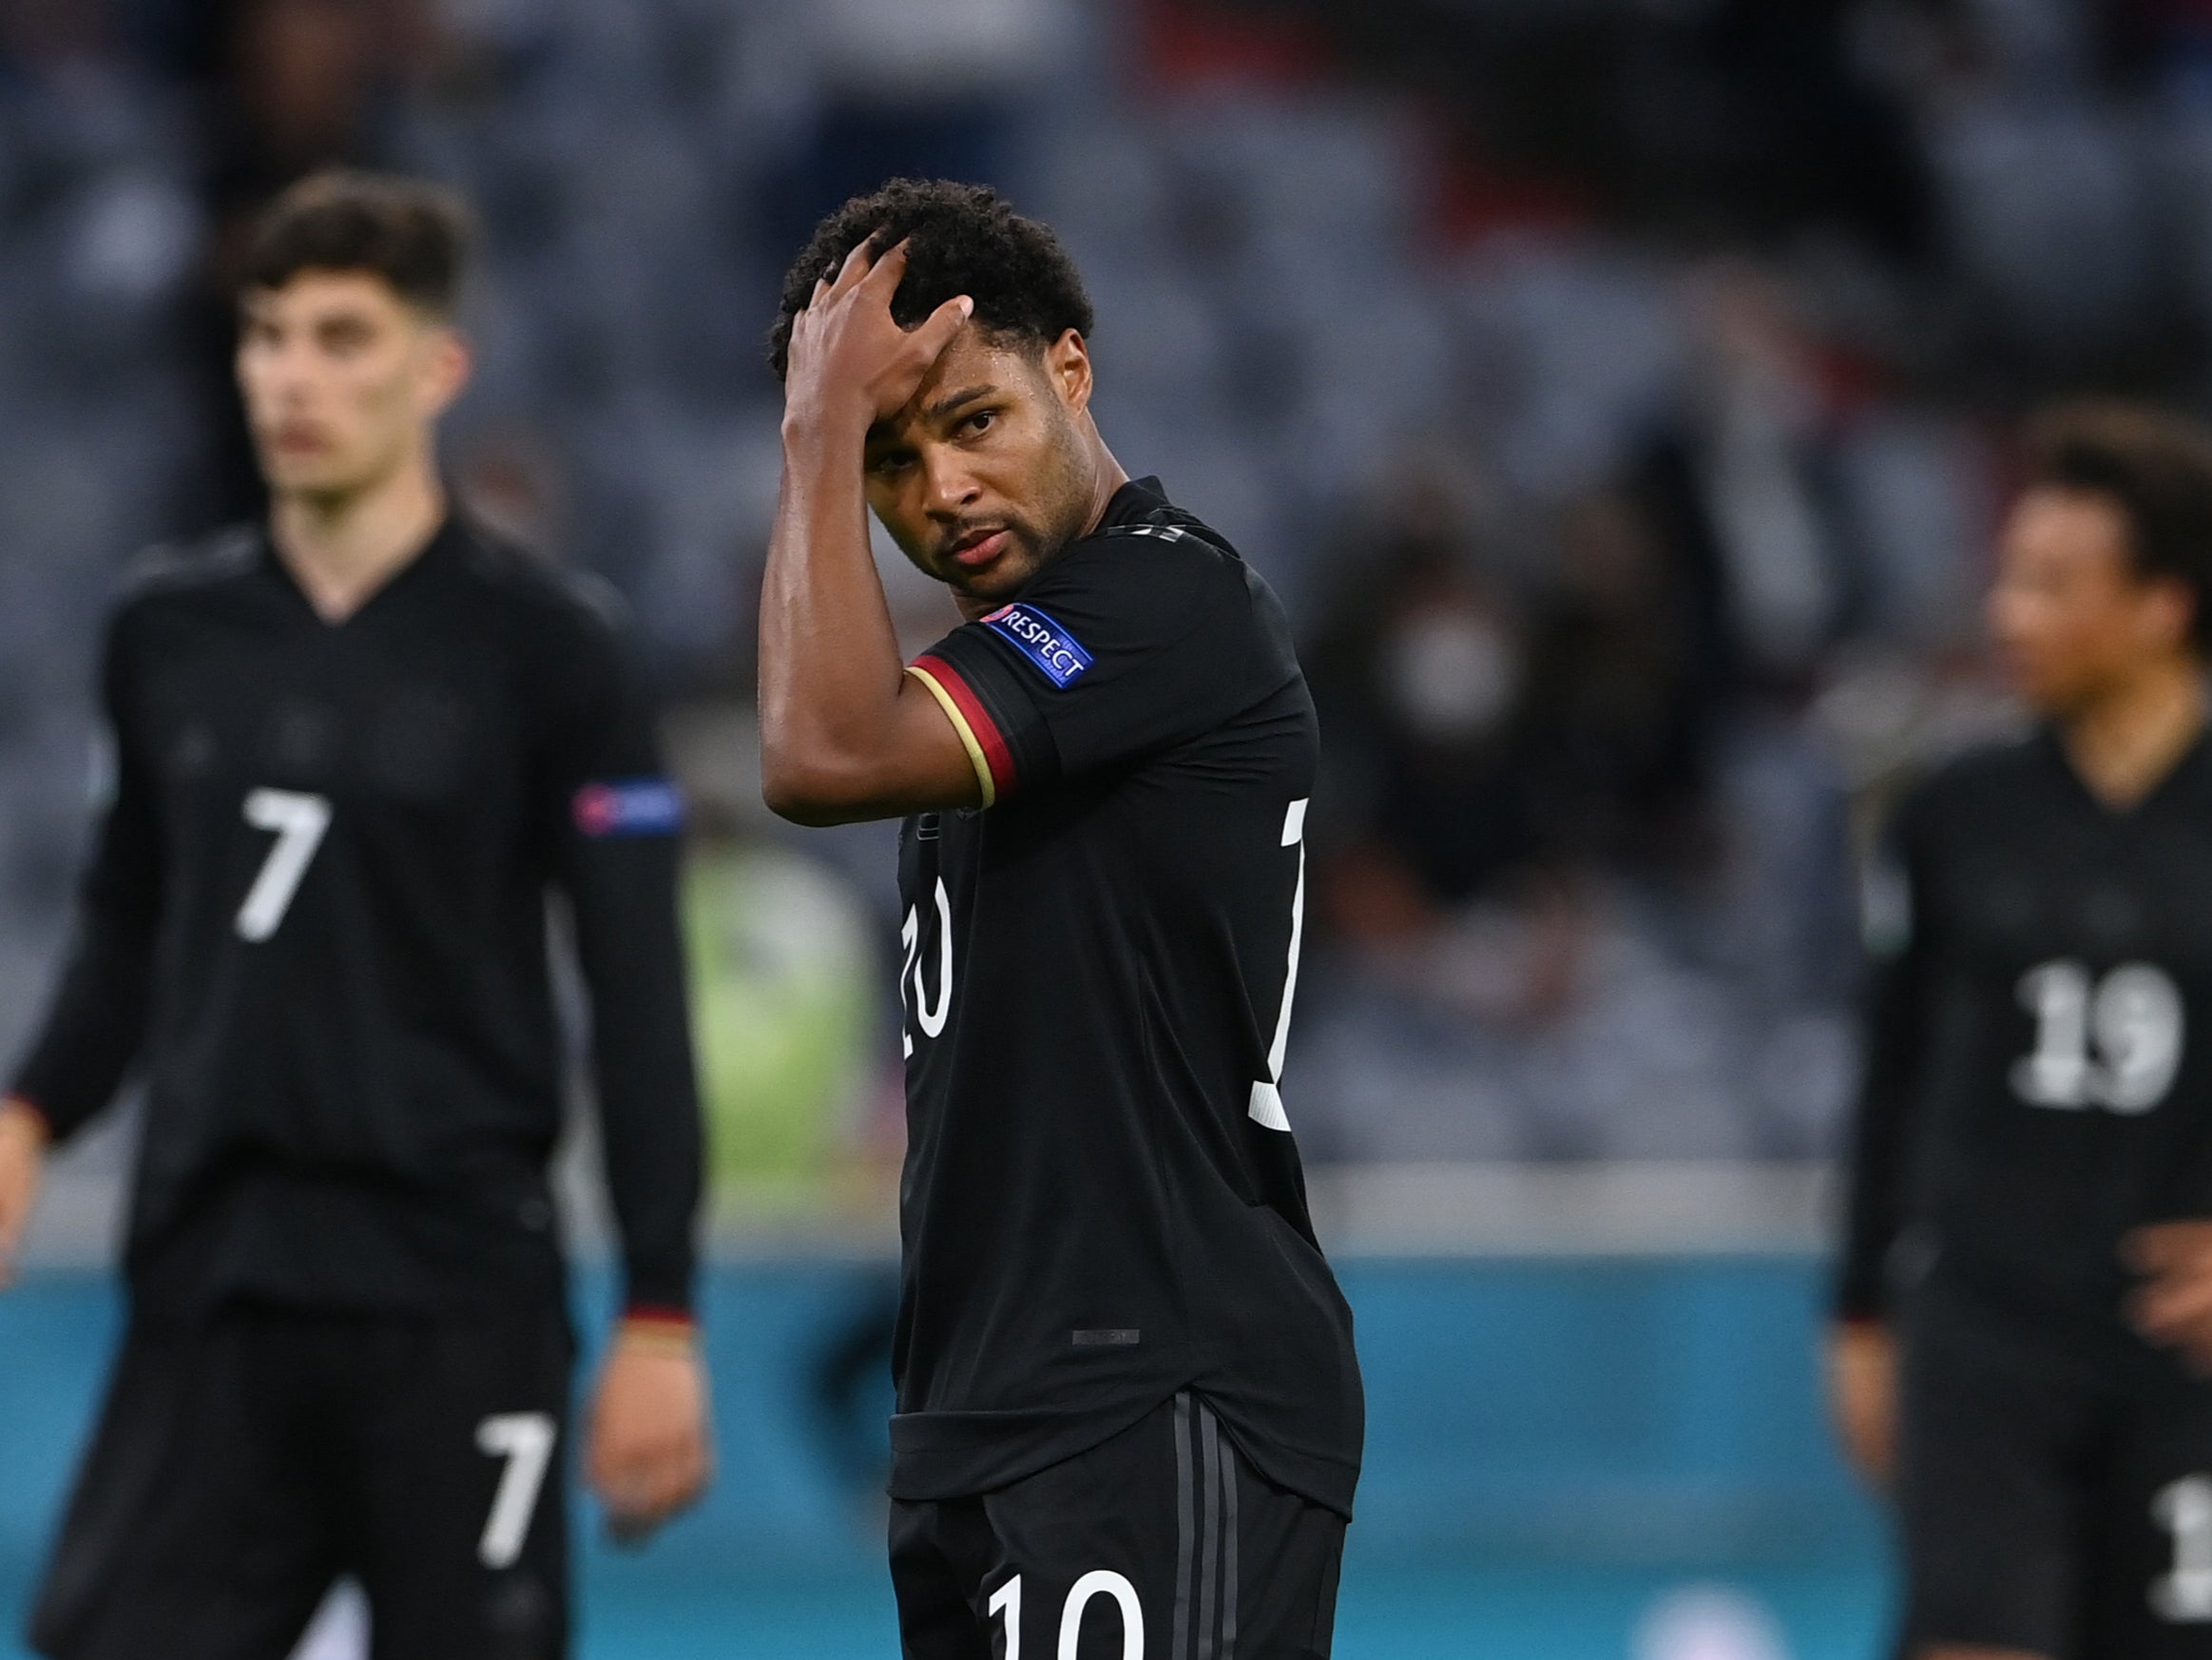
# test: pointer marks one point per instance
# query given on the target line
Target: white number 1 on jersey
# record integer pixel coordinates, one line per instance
(1266, 1105)
(2184, 1510)
(299, 821)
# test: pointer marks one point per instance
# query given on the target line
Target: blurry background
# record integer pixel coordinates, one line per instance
(1618, 393)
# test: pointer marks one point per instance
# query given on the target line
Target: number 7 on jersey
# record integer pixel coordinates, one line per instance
(299, 821)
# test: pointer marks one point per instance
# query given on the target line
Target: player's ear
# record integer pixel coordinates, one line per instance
(1067, 366)
(451, 362)
(2168, 610)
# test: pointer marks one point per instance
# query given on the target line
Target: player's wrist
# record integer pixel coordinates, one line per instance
(824, 423)
(662, 1331)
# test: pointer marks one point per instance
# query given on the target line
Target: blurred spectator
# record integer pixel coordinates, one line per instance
(1738, 484)
(1624, 687)
(1430, 869)
(1418, 673)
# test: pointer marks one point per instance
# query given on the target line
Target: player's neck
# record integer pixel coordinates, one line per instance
(2125, 742)
(1107, 476)
(342, 550)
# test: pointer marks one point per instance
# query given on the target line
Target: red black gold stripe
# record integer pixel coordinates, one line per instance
(979, 734)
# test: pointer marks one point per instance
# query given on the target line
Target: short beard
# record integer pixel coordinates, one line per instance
(1068, 497)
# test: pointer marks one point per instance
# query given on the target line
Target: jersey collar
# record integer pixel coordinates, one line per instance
(1132, 502)
(2191, 765)
(444, 542)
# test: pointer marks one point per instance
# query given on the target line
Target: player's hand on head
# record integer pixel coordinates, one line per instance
(23, 1138)
(1862, 1396)
(849, 358)
(2173, 1304)
(651, 1452)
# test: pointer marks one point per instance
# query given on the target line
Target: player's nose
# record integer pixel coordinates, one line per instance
(949, 488)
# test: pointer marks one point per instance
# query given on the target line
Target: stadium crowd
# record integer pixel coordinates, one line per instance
(1627, 458)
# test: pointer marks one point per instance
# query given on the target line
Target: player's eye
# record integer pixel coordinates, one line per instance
(891, 463)
(981, 421)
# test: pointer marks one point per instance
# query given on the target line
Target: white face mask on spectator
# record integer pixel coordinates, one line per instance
(1449, 676)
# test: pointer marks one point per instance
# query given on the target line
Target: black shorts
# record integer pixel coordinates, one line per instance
(1160, 1544)
(244, 1462)
(2048, 1508)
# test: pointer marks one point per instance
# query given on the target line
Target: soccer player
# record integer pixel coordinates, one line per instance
(354, 751)
(1129, 1414)
(2026, 1283)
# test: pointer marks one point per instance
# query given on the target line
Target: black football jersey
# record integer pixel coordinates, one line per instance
(2039, 1067)
(1102, 1201)
(315, 918)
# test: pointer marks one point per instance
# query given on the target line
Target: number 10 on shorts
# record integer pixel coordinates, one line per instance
(1006, 1604)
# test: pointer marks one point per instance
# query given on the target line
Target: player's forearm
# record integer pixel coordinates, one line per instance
(1874, 1208)
(1874, 1198)
(654, 1151)
(1862, 1292)
(629, 948)
(830, 675)
(95, 1029)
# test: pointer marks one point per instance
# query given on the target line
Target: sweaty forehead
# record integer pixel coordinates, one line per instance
(974, 364)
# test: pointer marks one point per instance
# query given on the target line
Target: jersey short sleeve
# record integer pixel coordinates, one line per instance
(1133, 641)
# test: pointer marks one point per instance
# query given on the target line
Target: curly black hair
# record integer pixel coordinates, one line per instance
(961, 239)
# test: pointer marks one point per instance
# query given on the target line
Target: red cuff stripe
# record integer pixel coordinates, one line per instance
(995, 754)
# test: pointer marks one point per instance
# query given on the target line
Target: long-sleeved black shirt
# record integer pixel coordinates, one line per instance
(317, 919)
(2037, 1079)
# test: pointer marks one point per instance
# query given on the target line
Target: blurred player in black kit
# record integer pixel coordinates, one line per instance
(2024, 1350)
(354, 752)
(1130, 1416)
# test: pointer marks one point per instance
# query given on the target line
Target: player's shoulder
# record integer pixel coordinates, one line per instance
(170, 572)
(1153, 556)
(1151, 532)
(541, 593)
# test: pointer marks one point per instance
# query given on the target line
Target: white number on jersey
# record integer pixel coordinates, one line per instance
(525, 1439)
(1266, 1103)
(2114, 1043)
(930, 1018)
(2184, 1510)
(1006, 1602)
(299, 821)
